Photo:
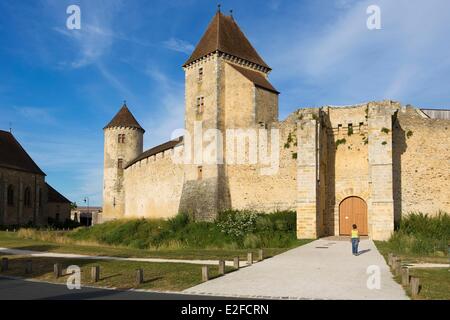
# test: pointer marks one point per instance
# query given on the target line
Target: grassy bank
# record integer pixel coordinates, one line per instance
(420, 238)
(233, 230)
(235, 234)
(114, 274)
(13, 241)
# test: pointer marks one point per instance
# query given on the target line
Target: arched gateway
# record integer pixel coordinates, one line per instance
(353, 210)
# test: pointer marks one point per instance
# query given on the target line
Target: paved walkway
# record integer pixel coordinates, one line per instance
(323, 269)
(82, 256)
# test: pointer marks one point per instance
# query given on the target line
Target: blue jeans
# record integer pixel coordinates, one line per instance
(355, 242)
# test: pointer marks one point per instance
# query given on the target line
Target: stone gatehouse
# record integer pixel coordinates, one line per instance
(366, 164)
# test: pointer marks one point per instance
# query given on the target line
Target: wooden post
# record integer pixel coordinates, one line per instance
(205, 275)
(28, 266)
(260, 255)
(95, 273)
(139, 276)
(57, 270)
(236, 262)
(398, 267)
(415, 286)
(4, 264)
(250, 258)
(221, 267)
(390, 256)
(405, 276)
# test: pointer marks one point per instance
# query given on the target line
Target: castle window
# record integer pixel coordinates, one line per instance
(27, 197)
(121, 138)
(120, 164)
(10, 195)
(200, 104)
(200, 173)
(200, 74)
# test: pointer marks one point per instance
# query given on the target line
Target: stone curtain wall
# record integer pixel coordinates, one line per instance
(421, 163)
(153, 187)
(250, 189)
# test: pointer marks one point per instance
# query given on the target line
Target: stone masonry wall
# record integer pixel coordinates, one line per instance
(19, 213)
(153, 187)
(422, 156)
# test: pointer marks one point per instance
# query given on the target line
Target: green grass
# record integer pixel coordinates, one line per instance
(423, 239)
(233, 230)
(435, 283)
(11, 240)
(115, 274)
(420, 238)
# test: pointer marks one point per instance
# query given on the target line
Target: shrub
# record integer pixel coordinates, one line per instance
(421, 234)
(237, 223)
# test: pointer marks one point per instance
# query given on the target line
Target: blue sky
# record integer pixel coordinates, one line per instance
(59, 87)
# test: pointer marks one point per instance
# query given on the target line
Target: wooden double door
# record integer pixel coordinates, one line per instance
(353, 210)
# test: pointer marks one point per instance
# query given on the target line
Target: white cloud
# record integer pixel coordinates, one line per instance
(179, 45)
(409, 52)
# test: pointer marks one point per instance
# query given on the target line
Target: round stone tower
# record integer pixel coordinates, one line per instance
(123, 143)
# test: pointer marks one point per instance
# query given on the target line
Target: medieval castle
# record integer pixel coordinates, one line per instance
(366, 164)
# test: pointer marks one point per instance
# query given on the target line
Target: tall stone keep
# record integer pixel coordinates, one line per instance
(123, 143)
(226, 87)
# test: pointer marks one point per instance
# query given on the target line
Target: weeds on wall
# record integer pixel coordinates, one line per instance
(350, 130)
(340, 141)
(385, 130)
(409, 134)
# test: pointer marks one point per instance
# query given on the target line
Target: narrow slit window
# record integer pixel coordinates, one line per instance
(200, 105)
(120, 164)
(200, 173)
(200, 74)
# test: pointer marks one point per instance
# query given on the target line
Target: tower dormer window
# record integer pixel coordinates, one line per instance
(121, 138)
(200, 74)
(200, 105)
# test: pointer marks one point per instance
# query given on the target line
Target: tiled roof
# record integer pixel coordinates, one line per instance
(224, 35)
(124, 118)
(13, 155)
(155, 150)
(256, 77)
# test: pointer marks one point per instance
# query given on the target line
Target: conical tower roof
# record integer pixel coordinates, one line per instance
(124, 118)
(224, 35)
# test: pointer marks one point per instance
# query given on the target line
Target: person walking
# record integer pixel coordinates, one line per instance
(355, 240)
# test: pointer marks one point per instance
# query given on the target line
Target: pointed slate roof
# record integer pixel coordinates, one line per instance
(256, 77)
(224, 35)
(13, 155)
(124, 118)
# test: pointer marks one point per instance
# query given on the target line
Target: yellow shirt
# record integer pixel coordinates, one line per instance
(355, 233)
